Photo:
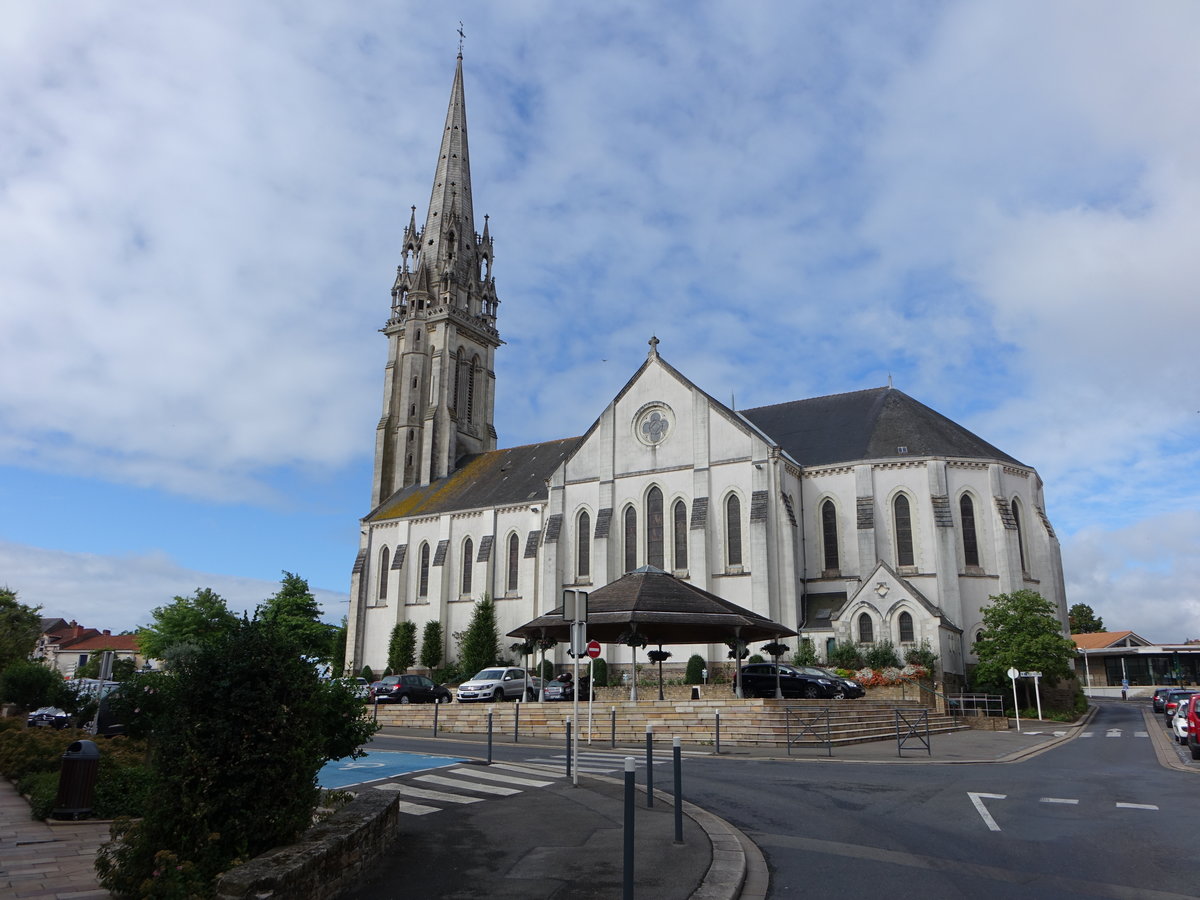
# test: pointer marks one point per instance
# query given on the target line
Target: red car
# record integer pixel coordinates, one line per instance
(1172, 701)
(1193, 735)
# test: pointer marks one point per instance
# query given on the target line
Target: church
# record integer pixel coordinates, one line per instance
(864, 516)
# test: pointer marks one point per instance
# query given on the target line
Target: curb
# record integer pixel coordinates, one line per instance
(1162, 749)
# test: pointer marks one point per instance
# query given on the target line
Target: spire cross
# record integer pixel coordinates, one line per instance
(461, 37)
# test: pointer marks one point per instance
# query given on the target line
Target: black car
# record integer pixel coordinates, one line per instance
(48, 717)
(1160, 698)
(808, 682)
(410, 689)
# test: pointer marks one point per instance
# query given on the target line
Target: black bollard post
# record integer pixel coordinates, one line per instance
(489, 737)
(437, 705)
(568, 746)
(649, 766)
(614, 728)
(517, 723)
(627, 880)
(718, 745)
(677, 752)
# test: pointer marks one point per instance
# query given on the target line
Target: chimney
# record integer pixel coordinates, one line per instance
(106, 632)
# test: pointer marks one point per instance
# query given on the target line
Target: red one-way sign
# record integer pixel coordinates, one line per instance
(593, 649)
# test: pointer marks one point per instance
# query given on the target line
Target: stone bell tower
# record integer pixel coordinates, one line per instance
(439, 382)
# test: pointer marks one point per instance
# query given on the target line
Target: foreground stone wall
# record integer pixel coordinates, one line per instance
(327, 861)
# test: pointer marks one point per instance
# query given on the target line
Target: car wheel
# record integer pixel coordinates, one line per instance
(406, 699)
(1195, 748)
(811, 692)
(840, 695)
(498, 697)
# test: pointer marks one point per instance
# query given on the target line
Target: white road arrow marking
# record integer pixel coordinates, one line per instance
(978, 799)
(1113, 732)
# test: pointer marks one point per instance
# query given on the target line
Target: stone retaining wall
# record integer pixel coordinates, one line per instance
(327, 861)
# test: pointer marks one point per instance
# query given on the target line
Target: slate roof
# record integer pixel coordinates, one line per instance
(496, 478)
(870, 424)
(663, 608)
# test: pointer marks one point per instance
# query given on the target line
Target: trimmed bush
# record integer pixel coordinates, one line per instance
(845, 655)
(694, 673)
(599, 673)
(882, 655)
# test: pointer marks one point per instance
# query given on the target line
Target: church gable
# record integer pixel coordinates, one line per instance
(661, 421)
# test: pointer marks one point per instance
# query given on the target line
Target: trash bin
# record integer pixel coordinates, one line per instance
(77, 781)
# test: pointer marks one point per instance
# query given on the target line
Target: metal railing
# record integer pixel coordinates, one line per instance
(975, 705)
(806, 721)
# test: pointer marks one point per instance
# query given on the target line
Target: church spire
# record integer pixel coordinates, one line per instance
(439, 388)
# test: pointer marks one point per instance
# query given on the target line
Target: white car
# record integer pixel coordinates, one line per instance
(1179, 721)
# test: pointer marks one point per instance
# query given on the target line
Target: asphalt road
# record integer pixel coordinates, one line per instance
(1094, 817)
(1097, 816)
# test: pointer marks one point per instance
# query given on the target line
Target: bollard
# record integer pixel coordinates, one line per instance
(677, 752)
(649, 766)
(568, 746)
(614, 728)
(517, 723)
(718, 744)
(627, 880)
(489, 737)
(437, 705)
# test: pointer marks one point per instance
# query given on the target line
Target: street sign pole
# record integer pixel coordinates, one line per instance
(593, 651)
(575, 607)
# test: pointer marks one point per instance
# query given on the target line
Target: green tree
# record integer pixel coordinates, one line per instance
(238, 733)
(197, 621)
(20, 626)
(694, 673)
(1083, 619)
(431, 645)
(1021, 630)
(402, 648)
(845, 655)
(480, 645)
(30, 684)
(337, 661)
(806, 653)
(295, 609)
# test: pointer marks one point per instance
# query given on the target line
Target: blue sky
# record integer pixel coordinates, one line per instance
(201, 209)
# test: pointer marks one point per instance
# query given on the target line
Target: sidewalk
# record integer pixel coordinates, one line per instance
(557, 841)
(40, 861)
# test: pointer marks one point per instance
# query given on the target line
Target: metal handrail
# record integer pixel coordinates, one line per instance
(809, 726)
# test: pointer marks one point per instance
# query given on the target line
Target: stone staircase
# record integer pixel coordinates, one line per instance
(755, 723)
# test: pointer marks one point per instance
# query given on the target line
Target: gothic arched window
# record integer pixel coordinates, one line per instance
(733, 531)
(866, 629)
(583, 547)
(472, 374)
(514, 557)
(467, 569)
(384, 558)
(654, 529)
(829, 536)
(905, 623)
(902, 519)
(679, 531)
(1016, 514)
(423, 583)
(966, 514)
(630, 539)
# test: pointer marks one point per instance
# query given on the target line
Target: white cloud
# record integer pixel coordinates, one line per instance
(120, 592)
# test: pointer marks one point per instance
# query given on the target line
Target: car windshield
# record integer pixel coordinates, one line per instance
(814, 670)
(489, 675)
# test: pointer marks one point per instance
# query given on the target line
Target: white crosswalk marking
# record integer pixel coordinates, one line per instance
(1144, 734)
(597, 763)
(1066, 800)
(416, 809)
(408, 790)
(1137, 806)
(503, 777)
(1088, 734)
(464, 785)
(531, 770)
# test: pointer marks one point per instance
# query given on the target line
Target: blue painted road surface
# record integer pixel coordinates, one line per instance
(377, 765)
